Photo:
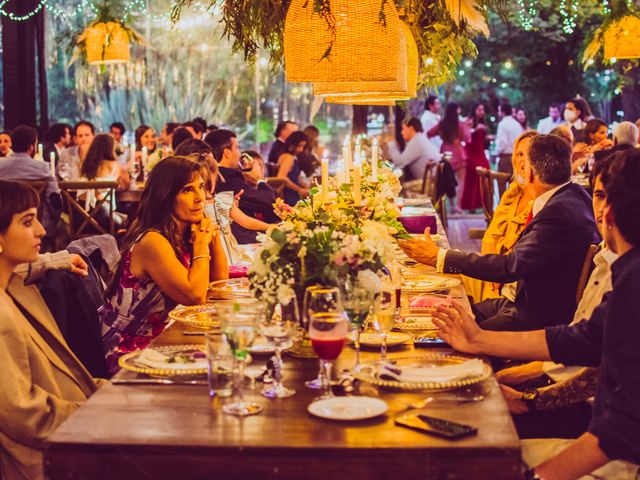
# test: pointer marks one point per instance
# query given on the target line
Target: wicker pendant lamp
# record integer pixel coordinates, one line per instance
(343, 101)
(404, 85)
(107, 43)
(622, 39)
(358, 49)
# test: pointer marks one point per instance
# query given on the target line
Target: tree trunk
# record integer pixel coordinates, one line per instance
(631, 93)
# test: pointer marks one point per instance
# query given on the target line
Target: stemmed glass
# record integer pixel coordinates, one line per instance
(384, 315)
(239, 325)
(357, 301)
(279, 327)
(319, 299)
(328, 332)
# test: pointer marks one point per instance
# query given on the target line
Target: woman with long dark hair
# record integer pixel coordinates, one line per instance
(454, 134)
(476, 157)
(576, 115)
(171, 254)
(290, 170)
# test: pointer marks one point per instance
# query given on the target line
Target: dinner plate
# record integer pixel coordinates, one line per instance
(199, 316)
(177, 360)
(348, 408)
(427, 283)
(415, 323)
(374, 339)
(229, 289)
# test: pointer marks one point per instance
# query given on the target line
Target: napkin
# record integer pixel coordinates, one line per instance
(440, 374)
(238, 271)
(154, 359)
(428, 301)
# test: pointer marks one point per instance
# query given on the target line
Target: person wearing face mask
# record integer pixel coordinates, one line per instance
(576, 114)
(508, 220)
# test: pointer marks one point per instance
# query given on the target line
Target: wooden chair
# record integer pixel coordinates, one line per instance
(503, 179)
(425, 187)
(39, 186)
(81, 222)
(587, 267)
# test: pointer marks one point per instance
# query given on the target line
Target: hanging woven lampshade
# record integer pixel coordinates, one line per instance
(362, 49)
(107, 43)
(342, 101)
(405, 83)
(622, 39)
(365, 99)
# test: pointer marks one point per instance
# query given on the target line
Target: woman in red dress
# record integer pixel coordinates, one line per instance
(471, 199)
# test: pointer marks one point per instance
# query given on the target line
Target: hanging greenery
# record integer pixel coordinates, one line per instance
(443, 29)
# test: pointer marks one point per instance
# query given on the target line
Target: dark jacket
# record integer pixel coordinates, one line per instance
(256, 202)
(276, 149)
(546, 260)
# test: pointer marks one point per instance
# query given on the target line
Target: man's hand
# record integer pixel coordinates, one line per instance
(514, 400)
(458, 328)
(424, 251)
(77, 265)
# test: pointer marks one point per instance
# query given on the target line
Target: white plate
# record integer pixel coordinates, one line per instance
(262, 346)
(348, 408)
(373, 339)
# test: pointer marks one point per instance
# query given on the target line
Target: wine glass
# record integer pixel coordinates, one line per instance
(319, 299)
(328, 332)
(384, 315)
(239, 325)
(279, 327)
(357, 301)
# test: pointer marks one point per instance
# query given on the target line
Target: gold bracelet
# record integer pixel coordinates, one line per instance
(208, 257)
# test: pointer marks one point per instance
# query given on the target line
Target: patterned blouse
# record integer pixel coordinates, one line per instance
(135, 314)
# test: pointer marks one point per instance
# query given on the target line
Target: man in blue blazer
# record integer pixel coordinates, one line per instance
(540, 275)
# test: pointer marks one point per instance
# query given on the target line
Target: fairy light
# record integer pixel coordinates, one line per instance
(569, 13)
(21, 18)
(527, 12)
(606, 7)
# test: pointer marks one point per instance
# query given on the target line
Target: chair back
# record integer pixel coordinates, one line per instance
(82, 222)
(503, 179)
(277, 184)
(585, 272)
(39, 186)
(486, 192)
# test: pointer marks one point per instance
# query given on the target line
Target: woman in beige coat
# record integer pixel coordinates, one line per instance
(42, 381)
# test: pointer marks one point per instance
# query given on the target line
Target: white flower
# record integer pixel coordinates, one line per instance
(369, 280)
(285, 293)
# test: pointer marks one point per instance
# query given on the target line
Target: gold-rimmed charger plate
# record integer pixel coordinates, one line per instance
(415, 323)
(229, 289)
(199, 316)
(427, 283)
(368, 372)
(128, 361)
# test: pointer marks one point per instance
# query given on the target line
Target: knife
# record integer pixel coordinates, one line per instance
(156, 381)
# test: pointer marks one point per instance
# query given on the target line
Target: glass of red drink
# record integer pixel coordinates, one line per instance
(328, 332)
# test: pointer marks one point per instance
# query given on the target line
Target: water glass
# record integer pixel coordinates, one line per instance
(219, 365)
(328, 332)
(357, 301)
(384, 315)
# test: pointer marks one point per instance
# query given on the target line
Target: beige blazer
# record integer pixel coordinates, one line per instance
(41, 381)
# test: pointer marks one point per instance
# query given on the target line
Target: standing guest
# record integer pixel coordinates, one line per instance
(508, 131)
(22, 166)
(576, 115)
(117, 131)
(454, 135)
(521, 117)
(283, 130)
(42, 381)
(418, 151)
(476, 157)
(552, 121)
(547, 259)
(608, 339)
(196, 129)
(57, 138)
(69, 166)
(290, 171)
(171, 254)
(5, 144)
(431, 117)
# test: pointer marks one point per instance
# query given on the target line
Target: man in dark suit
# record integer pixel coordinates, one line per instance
(283, 130)
(547, 259)
(257, 198)
(57, 138)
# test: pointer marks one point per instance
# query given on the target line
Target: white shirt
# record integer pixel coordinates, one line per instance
(599, 283)
(547, 124)
(508, 132)
(430, 120)
(417, 152)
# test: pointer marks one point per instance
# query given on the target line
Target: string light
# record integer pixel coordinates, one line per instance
(569, 15)
(606, 7)
(526, 14)
(21, 18)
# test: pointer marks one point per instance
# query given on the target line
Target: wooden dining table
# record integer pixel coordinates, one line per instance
(175, 431)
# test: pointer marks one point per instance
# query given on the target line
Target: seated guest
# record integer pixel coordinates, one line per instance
(22, 166)
(596, 134)
(57, 138)
(165, 143)
(547, 259)
(180, 134)
(42, 381)
(222, 206)
(203, 125)
(117, 131)
(166, 136)
(195, 128)
(560, 409)
(283, 130)
(171, 254)
(69, 166)
(145, 137)
(625, 136)
(256, 197)
(418, 150)
(507, 223)
(290, 171)
(5, 144)
(608, 339)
